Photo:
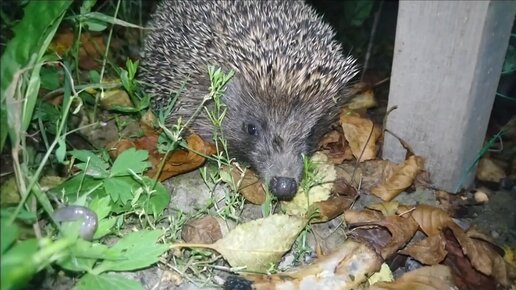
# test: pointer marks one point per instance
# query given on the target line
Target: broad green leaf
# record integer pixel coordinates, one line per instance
(130, 159)
(107, 282)
(140, 249)
(23, 215)
(104, 227)
(50, 77)
(83, 256)
(77, 186)
(100, 206)
(120, 189)
(40, 21)
(96, 167)
(159, 199)
(16, 265)
(8, 234)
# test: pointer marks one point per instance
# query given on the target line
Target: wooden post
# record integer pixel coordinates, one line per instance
(447, 62)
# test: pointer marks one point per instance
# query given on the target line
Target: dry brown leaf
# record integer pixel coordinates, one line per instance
(429, 251)
(331, 208)
(343, 188)
(364, 100)
(431, 220)
(249, 184)
(357, 131)
(345, 269)
(438, 277)
(402, 230)
(387, 208)
(353, 216)
(333, 145)
(91, 50)
(259, 243)
(368, 173)
(488, 170)
(205, 230)
(329, 138)
(398, 178)
(483, 257)
(178, 162)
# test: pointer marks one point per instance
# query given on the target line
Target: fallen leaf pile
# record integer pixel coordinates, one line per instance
(476, 252)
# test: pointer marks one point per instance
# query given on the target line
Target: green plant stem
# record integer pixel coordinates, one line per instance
(104, 61)
(21, 176)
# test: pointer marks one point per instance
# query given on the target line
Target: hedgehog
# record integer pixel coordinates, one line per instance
(290, 80)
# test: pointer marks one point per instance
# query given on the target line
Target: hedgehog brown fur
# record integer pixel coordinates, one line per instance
(290, 77)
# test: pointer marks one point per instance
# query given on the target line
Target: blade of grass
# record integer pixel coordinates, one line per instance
(40, 23)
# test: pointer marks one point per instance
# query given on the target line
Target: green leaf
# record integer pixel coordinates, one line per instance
(96, 167)
(50, 78)
(119, 189)
(77, 186)
(104, 227)
(24, 215)
(358, 11)
(159, 199)
(8, 234)
(140, 249)
(61, 150)
(107, 282)
(40, 21)
(108, 19)
(16, 265)
(100, 206)
(95, 25)
(132, 159)
(83, 256)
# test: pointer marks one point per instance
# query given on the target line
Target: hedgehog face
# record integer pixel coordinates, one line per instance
(272, 138)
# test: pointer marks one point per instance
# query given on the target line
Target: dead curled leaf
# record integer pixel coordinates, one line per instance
(346, 268)
(431, 220)
(483, 257)
(205, 230)
(398, 177)
(331, 208)
(363, 100)
(249, 184)
(429, 251)
(480, 253)
(90, 51)
(357, 131)
(401, 229)
(386, 208)
(437, 277)
(489, 170)
(333, 145)
(178, 162)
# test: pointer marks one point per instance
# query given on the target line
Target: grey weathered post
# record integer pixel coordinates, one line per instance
(447, 62)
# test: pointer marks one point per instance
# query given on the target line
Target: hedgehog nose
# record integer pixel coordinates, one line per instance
(283, 187)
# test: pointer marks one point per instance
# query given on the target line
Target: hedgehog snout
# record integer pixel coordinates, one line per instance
(284, 188)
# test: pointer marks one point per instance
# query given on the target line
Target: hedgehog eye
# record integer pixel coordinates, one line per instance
(252, 129)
